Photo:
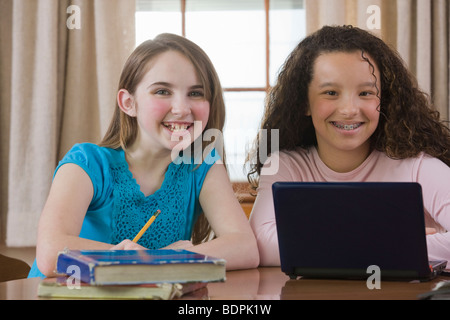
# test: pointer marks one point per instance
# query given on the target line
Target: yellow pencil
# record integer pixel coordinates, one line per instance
(147, 225)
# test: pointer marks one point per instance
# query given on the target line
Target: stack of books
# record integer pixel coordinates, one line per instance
(131, 274)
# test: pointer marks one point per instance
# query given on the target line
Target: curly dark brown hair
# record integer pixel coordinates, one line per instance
(409, 124)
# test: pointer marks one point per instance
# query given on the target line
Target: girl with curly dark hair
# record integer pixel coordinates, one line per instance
(345, 108)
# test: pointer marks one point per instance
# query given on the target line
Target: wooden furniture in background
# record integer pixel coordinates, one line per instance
(12, 269)
(245, 195)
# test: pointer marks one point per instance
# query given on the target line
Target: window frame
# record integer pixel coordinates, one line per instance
(267, 45)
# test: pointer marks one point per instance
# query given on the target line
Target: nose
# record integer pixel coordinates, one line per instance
(348, 106)
(181, 107)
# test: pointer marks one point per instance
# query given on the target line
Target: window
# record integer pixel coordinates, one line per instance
(247, 41)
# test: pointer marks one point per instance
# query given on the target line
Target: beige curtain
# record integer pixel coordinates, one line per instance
(418, 29)
(60, 61)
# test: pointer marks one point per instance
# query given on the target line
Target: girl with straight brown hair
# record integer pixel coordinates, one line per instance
(153, 157)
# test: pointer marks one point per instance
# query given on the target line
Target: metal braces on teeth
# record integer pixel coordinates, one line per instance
(347, 126)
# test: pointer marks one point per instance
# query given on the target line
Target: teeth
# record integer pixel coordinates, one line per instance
(347, 127)
(175, 127)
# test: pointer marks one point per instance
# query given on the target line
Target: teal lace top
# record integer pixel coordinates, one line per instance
(119, 209)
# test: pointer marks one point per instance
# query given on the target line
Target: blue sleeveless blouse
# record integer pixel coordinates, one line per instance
(119, 209)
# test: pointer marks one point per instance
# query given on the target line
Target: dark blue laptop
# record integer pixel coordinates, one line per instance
(338, 230)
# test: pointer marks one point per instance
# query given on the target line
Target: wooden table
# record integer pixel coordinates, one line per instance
(267, 284)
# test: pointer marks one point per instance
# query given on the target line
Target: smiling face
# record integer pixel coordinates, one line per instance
(169, 103)
(343, 101)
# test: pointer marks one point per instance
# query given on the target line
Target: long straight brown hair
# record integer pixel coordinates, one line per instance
(123, 129)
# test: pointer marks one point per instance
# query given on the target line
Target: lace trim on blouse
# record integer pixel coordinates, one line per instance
(132, 209)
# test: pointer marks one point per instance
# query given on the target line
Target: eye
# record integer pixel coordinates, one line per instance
(331, 93)
(366, 94)
(163, 92)
(196, 94)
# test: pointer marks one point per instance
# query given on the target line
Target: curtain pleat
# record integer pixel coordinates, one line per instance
(33, 115)
(59, 90)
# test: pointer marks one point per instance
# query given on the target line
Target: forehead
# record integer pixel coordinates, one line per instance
(171, 65)
(344, 66)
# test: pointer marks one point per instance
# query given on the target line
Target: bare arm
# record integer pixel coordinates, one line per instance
(62, 217)
(235, 241)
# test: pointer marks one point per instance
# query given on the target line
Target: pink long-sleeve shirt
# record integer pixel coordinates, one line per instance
(305, 165)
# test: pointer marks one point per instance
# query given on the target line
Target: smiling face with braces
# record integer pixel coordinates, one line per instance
(343, 104)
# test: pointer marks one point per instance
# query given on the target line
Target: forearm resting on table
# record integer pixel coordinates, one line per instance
(48, 247)
(238, 249)
(438, 245)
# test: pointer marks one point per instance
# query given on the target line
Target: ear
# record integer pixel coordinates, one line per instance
(126, 102)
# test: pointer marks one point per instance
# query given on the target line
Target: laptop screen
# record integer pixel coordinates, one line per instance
(340, 229)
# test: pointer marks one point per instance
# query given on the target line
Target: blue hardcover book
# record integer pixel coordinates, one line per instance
(108, 267)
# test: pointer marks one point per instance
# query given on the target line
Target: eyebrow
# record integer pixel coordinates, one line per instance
(169, 85)
(197, 86)
(334, 84)
(327, 84)
(160, 83)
